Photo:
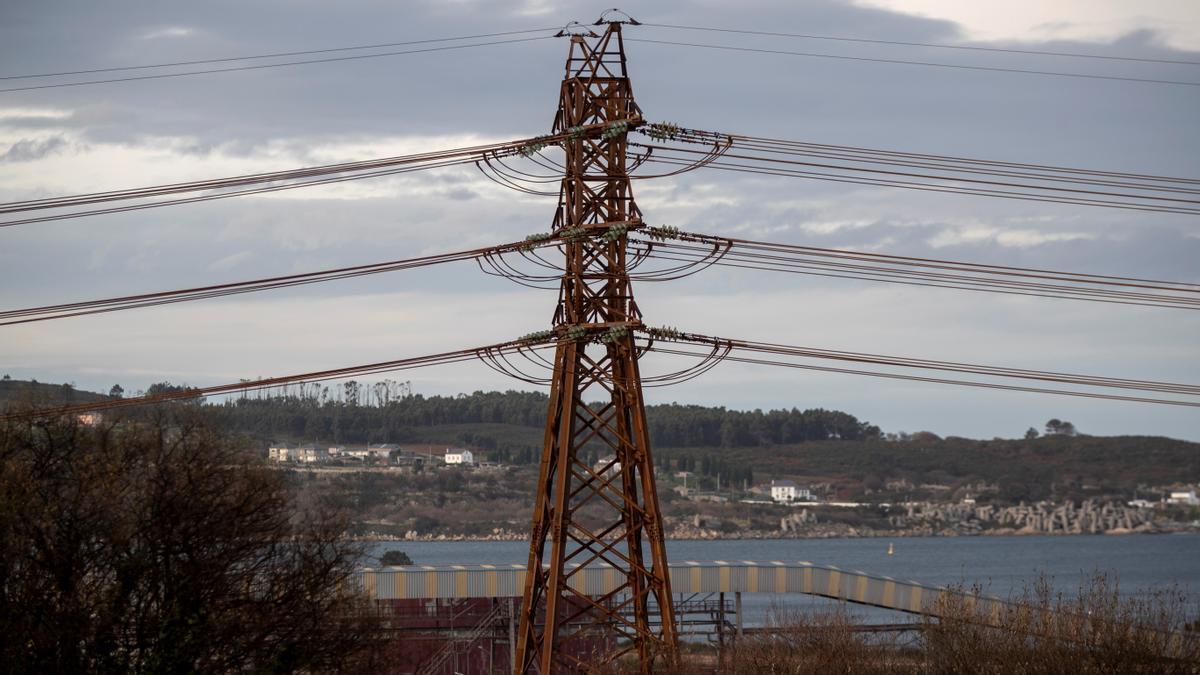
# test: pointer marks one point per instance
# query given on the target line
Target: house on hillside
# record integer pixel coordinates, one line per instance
(309, 454)
(784, 491)
(607, 465)
(1184, 498)
(382, 450)
(459, 456)
(278, 453)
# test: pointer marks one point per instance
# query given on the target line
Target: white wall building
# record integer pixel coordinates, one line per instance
(382, 450)
(609, 461)
(311, 455)
(278, 454)
(787, 491)
(1186, 498)
(459, 456)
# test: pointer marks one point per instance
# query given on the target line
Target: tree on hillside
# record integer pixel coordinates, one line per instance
(1031, 434)
(151, 544)
(1057, 427)
(117, 391)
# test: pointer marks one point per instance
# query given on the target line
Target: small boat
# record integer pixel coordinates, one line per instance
(891, 550)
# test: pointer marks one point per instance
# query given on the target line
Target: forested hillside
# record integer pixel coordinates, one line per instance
(815, 445)
(399, 420)
(31, 392)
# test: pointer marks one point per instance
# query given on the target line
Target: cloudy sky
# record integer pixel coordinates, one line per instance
(82, 139)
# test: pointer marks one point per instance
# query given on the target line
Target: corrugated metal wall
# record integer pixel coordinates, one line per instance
(744, 576)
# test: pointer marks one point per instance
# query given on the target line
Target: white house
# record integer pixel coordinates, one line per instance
(459, 456)
(382, 450)
(1186, 498)
(606, 466)
(311, 455)
(787, 491)
(278, 454)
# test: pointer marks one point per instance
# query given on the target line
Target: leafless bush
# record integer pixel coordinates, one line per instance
(819, 643)
(1043, 631)
(155, 544)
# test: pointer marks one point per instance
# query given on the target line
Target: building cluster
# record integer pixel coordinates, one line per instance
(384, 453)
(780, 491)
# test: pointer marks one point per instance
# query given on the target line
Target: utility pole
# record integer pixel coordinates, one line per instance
(606, 516)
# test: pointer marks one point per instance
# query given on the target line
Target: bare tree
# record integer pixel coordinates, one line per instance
(152, 544)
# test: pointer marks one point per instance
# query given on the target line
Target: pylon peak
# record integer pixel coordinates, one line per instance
(607, 18)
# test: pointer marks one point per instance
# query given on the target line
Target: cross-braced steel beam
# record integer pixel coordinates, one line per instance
(608, 514)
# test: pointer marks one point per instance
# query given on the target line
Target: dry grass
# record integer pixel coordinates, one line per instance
(1039, 631)
(1097, 630)
(820, 644)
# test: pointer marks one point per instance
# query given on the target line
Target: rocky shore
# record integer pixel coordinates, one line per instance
(925, 519)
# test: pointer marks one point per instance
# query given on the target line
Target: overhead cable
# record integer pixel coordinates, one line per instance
(1102, 382)
(193, 393)
(931, 380)
(105, 305)
(278, 180)
(931, 272)
(901, 43)
(262, 66)
(254, 57)
(929, 64)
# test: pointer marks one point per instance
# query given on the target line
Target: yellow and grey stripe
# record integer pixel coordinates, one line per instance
(743, 576)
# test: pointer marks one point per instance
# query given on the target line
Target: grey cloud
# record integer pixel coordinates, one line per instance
(462, 195)
(511, 90)
(29, 149)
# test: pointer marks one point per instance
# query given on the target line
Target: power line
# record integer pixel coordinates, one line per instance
(1001, 194)
(443, 358)
(928, 64)
(901, 43)
(894, 174)
(238, 193)
(964, 161)
(947, 366)
(275, 55)
(931, 380)
(105, 305)
(986, 267)
(317, 175)
(1178, 298)
(272, 65)
(1049, 174)
(758, 255)
(249, 179)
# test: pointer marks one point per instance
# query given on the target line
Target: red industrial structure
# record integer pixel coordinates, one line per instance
(584, 516)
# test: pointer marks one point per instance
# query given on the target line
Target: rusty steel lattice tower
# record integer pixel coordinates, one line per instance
(606, 514)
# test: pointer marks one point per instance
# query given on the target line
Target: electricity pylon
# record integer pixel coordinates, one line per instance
(607, 514)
